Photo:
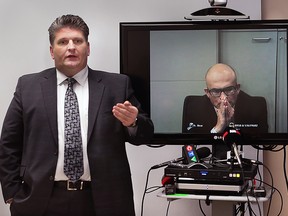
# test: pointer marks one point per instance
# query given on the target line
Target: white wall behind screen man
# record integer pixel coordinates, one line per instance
(25, 49)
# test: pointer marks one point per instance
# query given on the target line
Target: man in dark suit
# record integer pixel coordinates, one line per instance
(224, 103)
(32, 173)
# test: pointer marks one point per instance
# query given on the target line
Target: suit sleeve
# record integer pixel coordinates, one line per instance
(11, 143)
(144, 130)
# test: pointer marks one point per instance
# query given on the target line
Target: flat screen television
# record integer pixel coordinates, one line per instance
(167, 61)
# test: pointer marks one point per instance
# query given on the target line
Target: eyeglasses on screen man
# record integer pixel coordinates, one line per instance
(230, 90)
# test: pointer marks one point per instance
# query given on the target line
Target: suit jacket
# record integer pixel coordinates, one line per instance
(250, 116)
(29, 143)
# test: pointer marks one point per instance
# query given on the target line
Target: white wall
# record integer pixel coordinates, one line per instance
(25, 49)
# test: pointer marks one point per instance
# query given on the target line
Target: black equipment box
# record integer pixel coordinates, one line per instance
(215, 174)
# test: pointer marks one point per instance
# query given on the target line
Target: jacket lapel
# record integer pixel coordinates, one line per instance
(96, 90)
(49, 92)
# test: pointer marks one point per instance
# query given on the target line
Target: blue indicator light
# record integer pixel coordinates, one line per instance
(203, 173)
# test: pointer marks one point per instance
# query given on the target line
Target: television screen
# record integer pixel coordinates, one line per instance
(167, 63)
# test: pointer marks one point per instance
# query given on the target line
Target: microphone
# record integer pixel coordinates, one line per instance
(167, 180)
(167, 163)
(230, 137)
(203, 152)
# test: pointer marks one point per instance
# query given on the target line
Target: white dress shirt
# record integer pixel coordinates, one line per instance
(82, 92)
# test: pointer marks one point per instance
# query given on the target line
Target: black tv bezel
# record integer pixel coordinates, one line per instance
(141, 80)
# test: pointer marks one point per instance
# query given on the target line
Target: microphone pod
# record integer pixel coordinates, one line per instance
(231, 135)
(167, 180)
(203, 152)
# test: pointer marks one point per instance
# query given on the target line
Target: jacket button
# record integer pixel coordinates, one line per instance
(51, 178)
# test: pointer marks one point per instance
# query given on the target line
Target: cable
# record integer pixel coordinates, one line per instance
(248, 201)
(168, 206)
(260, 180)
(258, 170)
(273, 189)
(259, 209)
(148, 190)
(201, 209)
(258, 205)
(146, 184)
(238, 210)
(277, 150)
(154, 188)
(284, 166)
(272, 186)
(264, 147)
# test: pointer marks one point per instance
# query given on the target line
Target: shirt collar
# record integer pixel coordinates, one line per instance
(80, 77)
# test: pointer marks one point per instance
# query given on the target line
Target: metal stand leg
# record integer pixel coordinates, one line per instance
(220, 208)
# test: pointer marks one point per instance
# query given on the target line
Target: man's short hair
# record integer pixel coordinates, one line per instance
(71, 21)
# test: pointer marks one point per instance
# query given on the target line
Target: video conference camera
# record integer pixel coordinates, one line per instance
(218, 2)
(217, 11)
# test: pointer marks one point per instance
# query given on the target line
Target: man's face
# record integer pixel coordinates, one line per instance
(224, 87)
(70, 51)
